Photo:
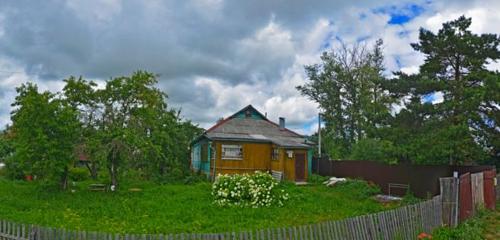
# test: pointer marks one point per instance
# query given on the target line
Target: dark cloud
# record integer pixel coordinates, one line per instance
(233, 42)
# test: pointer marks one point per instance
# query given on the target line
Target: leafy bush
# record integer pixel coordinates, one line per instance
(2, 170)
(471, 229)
(360, 189)
(78, 174)
(409, 198)
(195, 177)
(256, 190)
(374, 149)
(316, 179)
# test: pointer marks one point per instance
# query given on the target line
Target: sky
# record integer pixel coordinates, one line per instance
(214, 57)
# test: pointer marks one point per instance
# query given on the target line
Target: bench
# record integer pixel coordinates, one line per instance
(277, 175)
(97, 187)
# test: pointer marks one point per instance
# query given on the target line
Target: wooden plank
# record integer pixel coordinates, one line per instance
(359, 227)
(344, 225)
(477, 191)
(388, 225)
(364, 226)
(402, 214)
(330, 230)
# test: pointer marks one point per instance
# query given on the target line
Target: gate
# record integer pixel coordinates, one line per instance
(465, 197)
(489, 188)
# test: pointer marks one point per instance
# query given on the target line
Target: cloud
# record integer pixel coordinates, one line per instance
(213, 56)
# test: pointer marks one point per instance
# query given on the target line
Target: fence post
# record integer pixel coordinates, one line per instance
(449, 193)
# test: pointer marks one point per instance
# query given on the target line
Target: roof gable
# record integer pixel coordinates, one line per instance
(248, 124)
(249, 112)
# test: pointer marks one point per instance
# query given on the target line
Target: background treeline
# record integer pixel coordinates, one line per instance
(123, 129)
(370, 116)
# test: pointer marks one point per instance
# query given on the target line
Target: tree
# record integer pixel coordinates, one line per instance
(44, 134)
(81, 96)
(465, 124)
(349, 87)
(5, 144)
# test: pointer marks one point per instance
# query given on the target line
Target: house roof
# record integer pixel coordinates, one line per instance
(250, 125)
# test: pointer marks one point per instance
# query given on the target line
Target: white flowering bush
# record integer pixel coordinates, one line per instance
(255, 190)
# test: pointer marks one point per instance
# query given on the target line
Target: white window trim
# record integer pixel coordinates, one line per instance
(231, 157)
(275, 154)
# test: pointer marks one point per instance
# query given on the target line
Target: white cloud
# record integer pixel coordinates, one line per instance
(101, 10)
(214, 56)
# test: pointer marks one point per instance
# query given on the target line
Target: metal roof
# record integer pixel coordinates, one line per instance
(256, 130)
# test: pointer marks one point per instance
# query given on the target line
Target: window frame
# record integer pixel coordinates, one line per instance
(231, 146)
(275, 154)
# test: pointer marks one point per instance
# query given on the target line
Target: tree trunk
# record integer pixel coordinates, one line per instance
(112, 167)
(64, 179)
(92, 167)
(113, 174)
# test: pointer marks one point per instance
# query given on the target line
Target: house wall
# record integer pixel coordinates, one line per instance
(200, 160)
(278, 164)
(196, 157)
(256, 156)
(289, 164)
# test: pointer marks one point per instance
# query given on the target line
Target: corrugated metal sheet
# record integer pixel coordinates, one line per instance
(489, 189)
(465, 197)
(257, 130)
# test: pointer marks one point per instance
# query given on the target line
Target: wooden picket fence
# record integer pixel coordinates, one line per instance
(401, 223)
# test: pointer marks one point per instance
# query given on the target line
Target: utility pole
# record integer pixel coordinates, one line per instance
(319, 135)
(319, 142)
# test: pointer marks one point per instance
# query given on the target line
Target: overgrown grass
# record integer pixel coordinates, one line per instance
(174, 208)
(485, 225)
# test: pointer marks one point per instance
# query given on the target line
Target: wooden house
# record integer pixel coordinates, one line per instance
(247, 142)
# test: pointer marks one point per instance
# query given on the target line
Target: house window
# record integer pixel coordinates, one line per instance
(234, 152)
(212, 152)
(275, 154)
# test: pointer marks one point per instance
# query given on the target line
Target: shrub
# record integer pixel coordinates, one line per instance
(78, 174)
(256, 190)
(471, 229)
(361, 189)
(409, 198)
(195, 177)
(316, 179)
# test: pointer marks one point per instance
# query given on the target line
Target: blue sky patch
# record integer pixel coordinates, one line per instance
(401, 14)
(429, 98)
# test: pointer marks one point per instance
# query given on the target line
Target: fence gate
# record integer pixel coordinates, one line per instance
(465, 197)
(489, 188)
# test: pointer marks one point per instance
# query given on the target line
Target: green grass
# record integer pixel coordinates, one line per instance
(484, 225)
(173, 208)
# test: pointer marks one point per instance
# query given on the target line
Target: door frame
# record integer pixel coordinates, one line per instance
(304, 160)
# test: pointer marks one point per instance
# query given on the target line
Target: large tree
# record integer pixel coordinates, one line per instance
(128, 125)
(81, 96)
(463, 128)
(44, 134)
(348, 86)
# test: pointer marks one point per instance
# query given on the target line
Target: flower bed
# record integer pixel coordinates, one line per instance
(255, 190)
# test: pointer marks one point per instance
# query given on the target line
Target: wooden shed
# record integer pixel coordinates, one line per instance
(247, 142)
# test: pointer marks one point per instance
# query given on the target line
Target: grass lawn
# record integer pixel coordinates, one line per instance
(492, 224)
(484, 225)
(173, 208)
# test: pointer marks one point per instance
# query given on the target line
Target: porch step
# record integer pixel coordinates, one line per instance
(277, 175)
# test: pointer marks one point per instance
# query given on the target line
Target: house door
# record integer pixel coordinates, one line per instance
(300, 167)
